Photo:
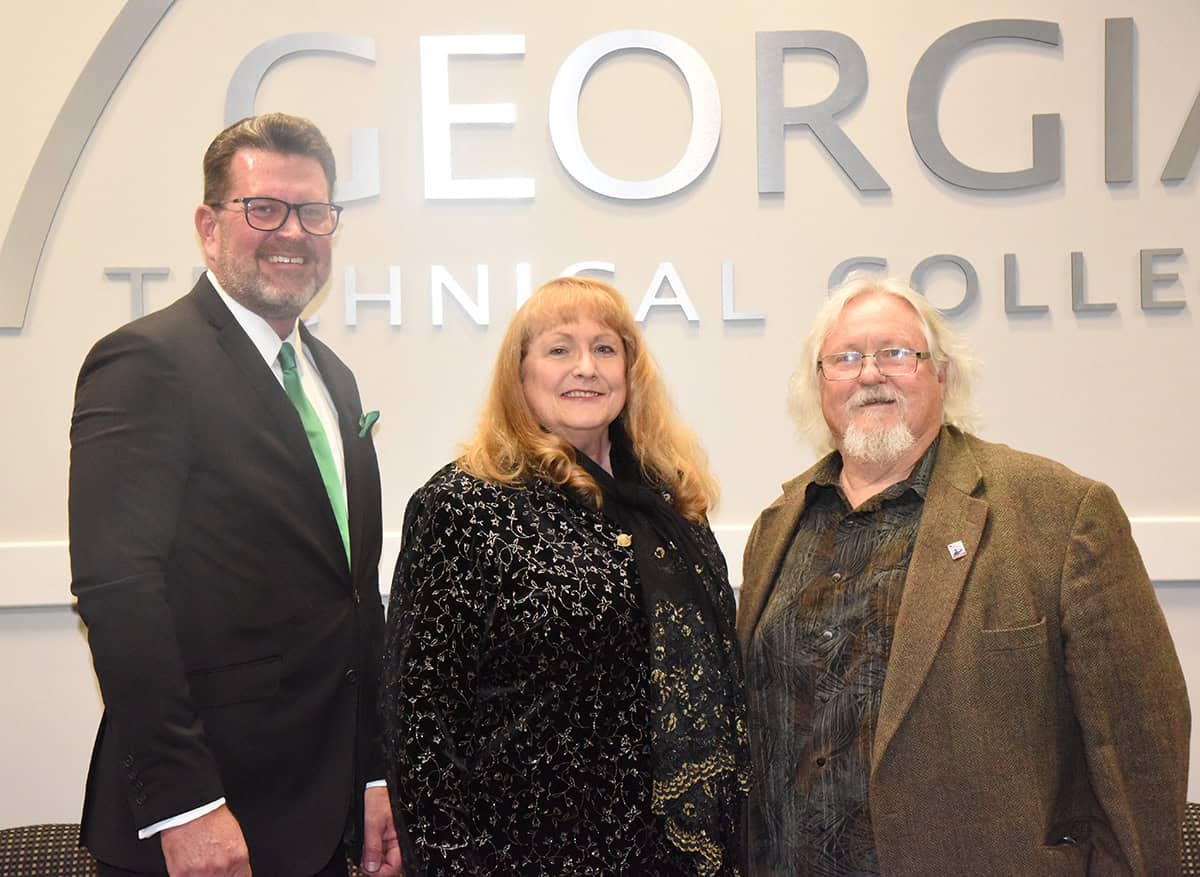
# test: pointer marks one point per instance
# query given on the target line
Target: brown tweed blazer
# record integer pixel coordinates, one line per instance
(1034, 717)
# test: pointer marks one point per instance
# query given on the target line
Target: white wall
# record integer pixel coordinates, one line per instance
(51, 705)
(1109, 395)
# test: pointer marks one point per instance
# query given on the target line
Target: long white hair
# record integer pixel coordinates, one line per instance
(950, 353)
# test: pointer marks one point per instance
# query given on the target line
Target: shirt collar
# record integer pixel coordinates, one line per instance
(829, 471)
(923, 471)
(264, 338)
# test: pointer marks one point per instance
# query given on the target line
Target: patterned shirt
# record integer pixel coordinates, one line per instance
(815, 675)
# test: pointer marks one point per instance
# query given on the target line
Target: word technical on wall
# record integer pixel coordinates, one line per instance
(666, 288)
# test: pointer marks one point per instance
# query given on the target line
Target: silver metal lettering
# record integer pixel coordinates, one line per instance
(21, 250)
(924, 94)
(1149, 277)
(1012, 304)
(392, 296)
(971, 279)
(243, 87)
(728, 311)
(666, 273)
(577, 268)
(564, 114)
(438, 115)
(441, 282)
(1118, 100)
(137, 283)
(855, 263)
(1079, 302)
(774, 118)
(1183, 156)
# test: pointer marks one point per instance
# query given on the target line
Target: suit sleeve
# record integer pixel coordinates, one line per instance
(1127, 688)
(130, 451)
(750, 552)
(437, 622)
(750, 558)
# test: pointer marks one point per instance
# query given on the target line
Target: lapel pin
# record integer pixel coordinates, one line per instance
(956, 550)
(366, 422)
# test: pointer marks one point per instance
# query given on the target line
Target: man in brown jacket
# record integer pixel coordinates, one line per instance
(955, 660)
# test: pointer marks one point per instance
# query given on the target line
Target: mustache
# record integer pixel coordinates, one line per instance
(868, 395)
(300, 248)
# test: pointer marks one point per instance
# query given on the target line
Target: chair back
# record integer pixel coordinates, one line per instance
(44, 851)
(1191, 841)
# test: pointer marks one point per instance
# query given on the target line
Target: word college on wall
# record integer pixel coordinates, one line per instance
(21, 249)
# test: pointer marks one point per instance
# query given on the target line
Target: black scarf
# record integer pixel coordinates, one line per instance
(699, 744)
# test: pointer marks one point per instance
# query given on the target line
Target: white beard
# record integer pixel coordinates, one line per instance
(879, 447)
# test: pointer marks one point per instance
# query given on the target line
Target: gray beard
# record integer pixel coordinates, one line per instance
(247, 286)
(879, 447)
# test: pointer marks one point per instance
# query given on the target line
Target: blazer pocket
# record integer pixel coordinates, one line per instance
(237, 683)
(1011, 638)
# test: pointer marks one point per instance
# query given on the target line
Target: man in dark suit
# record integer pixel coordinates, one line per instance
(955, 660)
(225, 536)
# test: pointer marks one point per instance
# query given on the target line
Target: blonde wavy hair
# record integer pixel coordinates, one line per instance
(509, 445)
(950, 354)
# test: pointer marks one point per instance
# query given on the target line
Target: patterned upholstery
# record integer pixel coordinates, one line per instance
(1191, 841)
(54, 851)
(44, 851)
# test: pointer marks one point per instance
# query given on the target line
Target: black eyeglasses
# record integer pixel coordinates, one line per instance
(890, 361)
(269, 214)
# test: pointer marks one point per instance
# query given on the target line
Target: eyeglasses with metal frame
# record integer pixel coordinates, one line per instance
(269, 214)
(891, 362)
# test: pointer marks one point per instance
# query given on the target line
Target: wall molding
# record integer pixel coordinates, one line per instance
(39, 573)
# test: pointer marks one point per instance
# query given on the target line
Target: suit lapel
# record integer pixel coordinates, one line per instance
(278, 413)
(776, 526)
(934, 583)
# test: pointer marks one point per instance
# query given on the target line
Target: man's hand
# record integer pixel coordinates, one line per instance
(381, 847)
(211, 846)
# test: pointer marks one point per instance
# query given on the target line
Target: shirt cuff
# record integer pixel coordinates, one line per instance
(374, 784)
(181, 819)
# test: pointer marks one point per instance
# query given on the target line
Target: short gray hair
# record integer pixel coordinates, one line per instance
(949, 352)
(271, 132)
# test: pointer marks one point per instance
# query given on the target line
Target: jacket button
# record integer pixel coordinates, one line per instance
(352, 676)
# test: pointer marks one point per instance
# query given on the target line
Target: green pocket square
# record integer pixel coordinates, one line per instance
(366, 422)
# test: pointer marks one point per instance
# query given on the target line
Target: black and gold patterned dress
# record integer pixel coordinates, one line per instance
(517, 689)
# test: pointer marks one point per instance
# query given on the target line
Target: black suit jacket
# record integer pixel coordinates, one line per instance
(237, 654)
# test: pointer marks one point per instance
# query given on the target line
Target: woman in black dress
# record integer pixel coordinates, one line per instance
(562, 692)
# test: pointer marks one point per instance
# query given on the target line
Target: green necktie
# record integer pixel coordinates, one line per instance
(317, 439)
